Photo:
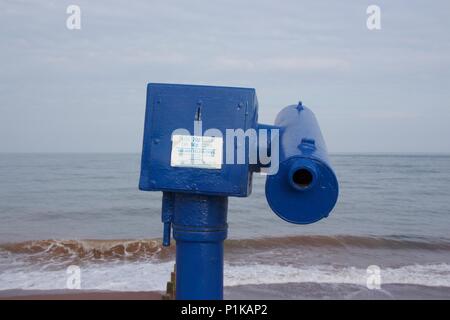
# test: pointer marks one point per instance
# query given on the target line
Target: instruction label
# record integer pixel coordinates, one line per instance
(196, 152)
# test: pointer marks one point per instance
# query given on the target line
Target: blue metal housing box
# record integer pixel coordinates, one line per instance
(173, 106)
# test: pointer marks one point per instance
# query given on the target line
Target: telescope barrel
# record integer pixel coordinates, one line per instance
(305, 188)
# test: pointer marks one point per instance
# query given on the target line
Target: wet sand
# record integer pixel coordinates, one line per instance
(285, 291)
(78, 295)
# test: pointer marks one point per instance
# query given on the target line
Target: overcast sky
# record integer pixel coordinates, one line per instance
(84, 90)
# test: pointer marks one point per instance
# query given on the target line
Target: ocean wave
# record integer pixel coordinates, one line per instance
(100, 250)
(85, 250)
(369, 242)
(428, 275)
(145, 264)
(144, 276)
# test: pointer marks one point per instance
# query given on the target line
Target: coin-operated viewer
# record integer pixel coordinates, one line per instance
(202, 144)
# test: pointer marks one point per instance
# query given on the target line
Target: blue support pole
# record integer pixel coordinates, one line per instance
(199, 228)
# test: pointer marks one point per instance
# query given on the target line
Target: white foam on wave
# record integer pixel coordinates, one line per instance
(428, 275)
(139, 276)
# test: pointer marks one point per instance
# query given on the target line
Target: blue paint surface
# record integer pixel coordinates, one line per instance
(195, 200)
(171, 107)
(302, 148)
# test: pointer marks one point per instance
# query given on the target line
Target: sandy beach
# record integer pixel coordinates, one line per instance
(78, 295)
(285, 291)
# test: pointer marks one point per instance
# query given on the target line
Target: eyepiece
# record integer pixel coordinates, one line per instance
(302, 175)
(302, 178)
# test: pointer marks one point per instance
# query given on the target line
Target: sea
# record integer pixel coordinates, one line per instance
(388, 236)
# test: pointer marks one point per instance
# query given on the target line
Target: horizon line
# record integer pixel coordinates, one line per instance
(442, 153)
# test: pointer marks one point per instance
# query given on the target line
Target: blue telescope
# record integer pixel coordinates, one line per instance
(202, 144)
(305, 189)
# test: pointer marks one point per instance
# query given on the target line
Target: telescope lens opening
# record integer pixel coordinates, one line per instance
(302, 178)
